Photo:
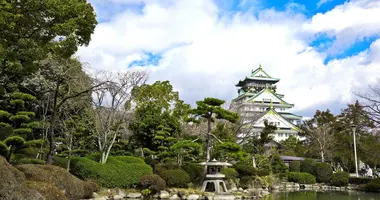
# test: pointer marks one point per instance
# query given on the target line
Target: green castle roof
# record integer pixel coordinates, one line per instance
(255, 77)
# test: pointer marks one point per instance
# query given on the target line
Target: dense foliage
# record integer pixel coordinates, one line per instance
(323, 172)
(176, 178)
(301, 177)
(119, 171)
(339, 179)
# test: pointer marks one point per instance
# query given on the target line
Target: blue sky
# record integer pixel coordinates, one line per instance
(322, 50)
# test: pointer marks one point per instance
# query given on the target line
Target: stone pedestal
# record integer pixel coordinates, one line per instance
(217, 186)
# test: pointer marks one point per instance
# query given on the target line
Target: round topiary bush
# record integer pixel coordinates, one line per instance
(245, 169)
(295, 166)
(153, 182)
(176, 178)
(118, 171)
(308, 166)
(195, 171)
(230, 173)
(301, 177)
(323, 172)
(339, 179)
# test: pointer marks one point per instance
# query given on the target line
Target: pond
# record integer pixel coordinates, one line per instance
(309, 195)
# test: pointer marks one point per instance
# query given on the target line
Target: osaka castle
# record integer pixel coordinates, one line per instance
(258, 101)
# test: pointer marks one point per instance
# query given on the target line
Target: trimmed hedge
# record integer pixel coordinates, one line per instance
(153, 182)
(230, 173)
(295, 166)
(358, 180)
(176, 178)
(119, 171)
(301, 177)
(323, 172)
(339, 179)
(373, 185)
(308, 166)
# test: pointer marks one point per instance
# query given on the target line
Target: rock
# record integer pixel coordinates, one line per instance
(180, 193)
(183, 197)
(193, 197)
(224, 197)
(118, 197)
(240, 189)
(264, 193)
(100, 198)
(296, 185)
(238, 197)
(233, 187)
(156, 196)
(245, 191)
(121, 193)
(289, 186)
(164, 194)
(275, 187)
(134, 195)
(174, 197)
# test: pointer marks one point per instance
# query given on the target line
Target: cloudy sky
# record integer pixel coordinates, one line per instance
(322, 50)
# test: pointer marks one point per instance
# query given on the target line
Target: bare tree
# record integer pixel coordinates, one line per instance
(371, 101)
(112, 104)
(244, 128)
(319, 131)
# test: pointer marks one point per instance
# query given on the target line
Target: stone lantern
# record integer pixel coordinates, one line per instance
(214, 180)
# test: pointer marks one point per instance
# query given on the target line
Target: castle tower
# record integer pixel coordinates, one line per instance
(259, 101)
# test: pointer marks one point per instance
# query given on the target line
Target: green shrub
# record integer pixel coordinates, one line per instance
(373, 185)
(278, 165)
(3, 149)
(339, 179)
(295, 166)
(195, 171)
(230, 173)
(323, 172)
(14, 141)
(176, 178)
(358, 180)
(301, 177)
(6, 130)
(245, 169)
(308, 166)
(246, 181)
(153, 182)
(263, 172)
(117, 172)
(158, 168)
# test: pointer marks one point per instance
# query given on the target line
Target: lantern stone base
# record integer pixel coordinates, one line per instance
(217, 186)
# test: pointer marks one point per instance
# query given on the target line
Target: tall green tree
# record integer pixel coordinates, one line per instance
(159, 115)
(354, 115)
(319, 131)
(29, 29)
(211, 109)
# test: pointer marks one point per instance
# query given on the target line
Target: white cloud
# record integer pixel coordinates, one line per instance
(321, 2)
(204, 54)
(349, 22)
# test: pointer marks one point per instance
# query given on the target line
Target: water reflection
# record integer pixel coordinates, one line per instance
(309, 195)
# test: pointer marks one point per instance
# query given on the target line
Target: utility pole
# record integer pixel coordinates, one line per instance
(353, 126)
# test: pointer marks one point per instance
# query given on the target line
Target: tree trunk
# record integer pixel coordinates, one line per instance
(69, 155)
(322, 156)
(208, 145)
(51, 137)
